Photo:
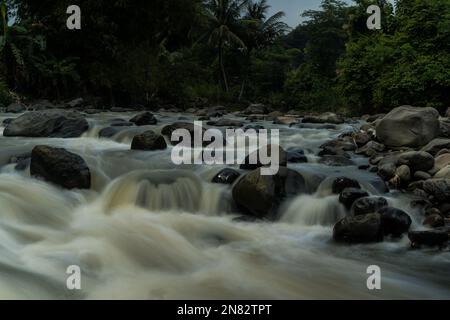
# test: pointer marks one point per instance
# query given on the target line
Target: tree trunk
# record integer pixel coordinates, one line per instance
(222, 67)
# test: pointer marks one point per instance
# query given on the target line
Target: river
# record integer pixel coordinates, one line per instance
(150, 230)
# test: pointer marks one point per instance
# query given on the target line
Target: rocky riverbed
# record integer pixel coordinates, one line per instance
(80, 186)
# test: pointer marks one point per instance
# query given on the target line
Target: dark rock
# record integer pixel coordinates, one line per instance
(295, 157)
(417, 161)
(328, 117)
(431, 238)
(439, 188)
(226, 123)
(226, 176)
(49, 123)
(408, 126)
(359, 229)
(251, 164)
(444, 129)
(7, 121)
(368, 205)
(168, 130)
(350, 195)
(371, 148)
(341, 183)
(420, 175)
(404, 174)
(387, 171)
(60, 167)
(361, 138)
(260, 196)
(395, 222)
(256, 109)
(16, 108)
(108, 132)
(144, 119)
(434, 221)
(148, 141)
(120, 123)
(436, 145)
(76, 103)
(336, 161)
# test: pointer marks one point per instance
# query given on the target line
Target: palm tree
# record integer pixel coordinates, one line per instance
(224, 19)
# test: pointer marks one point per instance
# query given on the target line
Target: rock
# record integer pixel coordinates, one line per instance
(60, 167)
(408, 126)
(436, 145)
(336, 161)
(417, 161)
(256, 109)
(387, 171)
(394, 222)
(420, 175)
(48, 123)
(76, 103)
(42, 105)
(376, 117)
(444, 129)
(286, 121)
(431, 238)
(368, 205)
(250, 164)
(447, 113)
(349, 195)
(226, 123)
(439, 188)
(226, 176)
(361, 139)
(371, 148)
(444, 173)
(273, 115)
(360, 229)
(16, 108)
(144, 119)
(21, 161)
(120, 123)
(295, 157)
(434, 221)
(338, 147)
(327, 117)
(341, 183)
(404, 173)
(216, 111)
(168, 130)
(148, 141)
(260, 196)
(442, 161)
(7, 121)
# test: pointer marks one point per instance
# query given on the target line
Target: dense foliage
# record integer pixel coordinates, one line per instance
(188, 52)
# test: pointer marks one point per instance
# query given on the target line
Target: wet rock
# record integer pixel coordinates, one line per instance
(144, 119)
(361, 138)
(436, 145)
(286, 121)
(434, 221)
(349, 195)
(372, 148)
(226, 176)
(260, 196)
(442, 161)
(359, 229)
(148, 141)
(16, 108)
(444, 129)
(395, 222)
(439, 188)
(368, 205)
(327, 117)
(250, 163)
(296, 157)
(21, 161)
(336, 161)
(404, 174)
(417, 161)
(387, 171)
(256, 109)
(60, 167)
(341, 183)
(408, 126)
(168, 130)
(444, 173)
(420, 175)
(431, 238)
(216, 111)
(76, 103)
(376, 117)
(49, 123)
(226, 123)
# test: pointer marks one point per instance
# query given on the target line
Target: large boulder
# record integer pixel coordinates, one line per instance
(439, 188)
(416, 160)
(48, 123)
(144, 119)
(395, 222)
(148, 141)
(60, 167)
(436, 145)
(359, 229)
(408, 126)
(368, 205)
(16, 108)
(260, 196)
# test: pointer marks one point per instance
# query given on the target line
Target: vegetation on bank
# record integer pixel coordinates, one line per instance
(198, 52)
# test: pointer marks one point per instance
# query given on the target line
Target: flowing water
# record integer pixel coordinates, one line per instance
(150, 230)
